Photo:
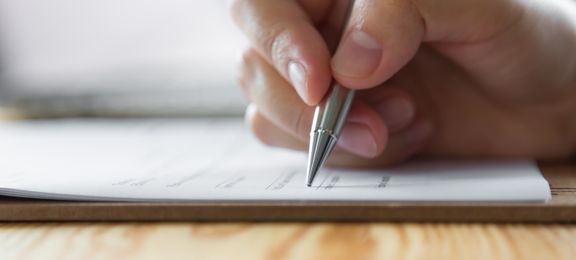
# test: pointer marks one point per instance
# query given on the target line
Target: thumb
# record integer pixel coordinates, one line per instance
(380, 38)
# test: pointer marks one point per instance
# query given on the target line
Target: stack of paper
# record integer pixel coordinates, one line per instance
(217, 160)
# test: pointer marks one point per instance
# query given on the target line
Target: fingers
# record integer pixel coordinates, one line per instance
(381, 37)
(284, 33)
(365, 130)
(394, 105)
(282, 119)
(400, 147)
(270, 134)
(274, 96)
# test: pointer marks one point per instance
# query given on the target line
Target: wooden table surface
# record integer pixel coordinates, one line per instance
(286, 241)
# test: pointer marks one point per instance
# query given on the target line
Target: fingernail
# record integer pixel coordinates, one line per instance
(357, 138)
(297, 75)
(397, 112)
(358, 56)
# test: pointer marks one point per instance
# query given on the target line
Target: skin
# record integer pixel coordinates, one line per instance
(444, 78)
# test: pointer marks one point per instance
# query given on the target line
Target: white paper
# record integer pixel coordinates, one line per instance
(218, 160)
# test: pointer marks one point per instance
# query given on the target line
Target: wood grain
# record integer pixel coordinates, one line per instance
(286, 241)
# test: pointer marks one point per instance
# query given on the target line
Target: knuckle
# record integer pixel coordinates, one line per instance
(248, 57)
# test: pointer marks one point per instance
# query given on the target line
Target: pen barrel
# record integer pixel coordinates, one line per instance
(330, 115)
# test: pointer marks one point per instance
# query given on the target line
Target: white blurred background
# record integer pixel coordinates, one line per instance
(119, 57)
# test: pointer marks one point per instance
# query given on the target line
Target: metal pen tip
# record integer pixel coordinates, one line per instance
(330, 114)
(321, 144)
(313, 167)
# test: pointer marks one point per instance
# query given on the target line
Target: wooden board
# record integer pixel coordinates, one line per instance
(562, 208)
(286, 241)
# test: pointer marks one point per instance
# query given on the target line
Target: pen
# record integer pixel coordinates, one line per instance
(329, 116)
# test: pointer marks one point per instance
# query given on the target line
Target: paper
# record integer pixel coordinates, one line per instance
(218, 160)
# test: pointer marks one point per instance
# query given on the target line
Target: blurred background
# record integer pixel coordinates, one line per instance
(119, 58)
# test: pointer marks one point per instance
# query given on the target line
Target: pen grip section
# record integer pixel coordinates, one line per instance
(330, 115)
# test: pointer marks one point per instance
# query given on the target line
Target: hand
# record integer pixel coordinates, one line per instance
(450, 78)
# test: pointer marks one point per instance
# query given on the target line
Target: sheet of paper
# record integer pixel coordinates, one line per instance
(218, 160)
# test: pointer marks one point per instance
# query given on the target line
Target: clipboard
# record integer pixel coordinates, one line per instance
(560, 209)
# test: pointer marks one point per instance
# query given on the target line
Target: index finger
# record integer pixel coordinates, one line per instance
(285, 34)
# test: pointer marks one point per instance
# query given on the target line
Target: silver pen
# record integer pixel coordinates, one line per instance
(331, 113)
